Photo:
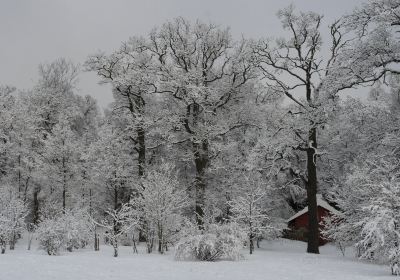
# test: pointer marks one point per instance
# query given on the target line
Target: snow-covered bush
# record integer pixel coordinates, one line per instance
(203, 247)
(52, 235)
(218, 241)
(65, 231)
(231, 237)
(12, 214)
(79, 229)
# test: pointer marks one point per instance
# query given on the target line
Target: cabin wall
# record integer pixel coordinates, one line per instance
(299, 226)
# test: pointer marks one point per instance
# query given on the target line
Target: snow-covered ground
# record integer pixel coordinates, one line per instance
(277, 260)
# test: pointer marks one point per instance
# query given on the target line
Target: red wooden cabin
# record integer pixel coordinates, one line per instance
(298, 223)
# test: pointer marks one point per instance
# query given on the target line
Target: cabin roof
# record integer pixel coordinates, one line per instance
(320, 202)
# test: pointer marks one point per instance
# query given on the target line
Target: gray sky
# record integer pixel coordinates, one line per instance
(39, 31)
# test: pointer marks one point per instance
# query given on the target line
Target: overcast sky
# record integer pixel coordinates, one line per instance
(39, 31)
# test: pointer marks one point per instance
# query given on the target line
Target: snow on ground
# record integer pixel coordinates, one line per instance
(276, 260)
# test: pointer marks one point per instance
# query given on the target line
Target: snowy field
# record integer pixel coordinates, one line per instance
(276, 260)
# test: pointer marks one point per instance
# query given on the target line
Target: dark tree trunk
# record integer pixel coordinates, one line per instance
(136, 107)
(19, 175)
(160, 247)
(141, 147)
(63, 198)
(64, 193)
(115, 246)
(13, 241)
(3, 247)
(36, 206)
(115, 197)
(134, 244)
(251, 244)
(201, 160)
(313, 231)
(115, 223)
(149, 242)
(96, 241)
(26, 188)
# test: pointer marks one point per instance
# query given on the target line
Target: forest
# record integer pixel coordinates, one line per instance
(212, 142)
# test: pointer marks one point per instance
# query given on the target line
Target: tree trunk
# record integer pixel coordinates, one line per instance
(141, 147)
(36, 206)
(313, 231)
(3, 245)
(64, 193)
(160, 239)
(96, 241)
(201, 160)
(149, 243)
(115, 246)
(134, 244)
(251, 244)
(12, 241)
(160, 247)
(136, 107)
(30, 241)
(19, 174)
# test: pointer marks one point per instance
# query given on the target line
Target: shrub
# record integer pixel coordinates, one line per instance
(64, 231)
(78, 229)
(52, 235)
(217, 242)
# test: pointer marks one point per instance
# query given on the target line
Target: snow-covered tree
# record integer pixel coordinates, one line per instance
(205, 72)
(7, 103)
(130, 72)
(12, 217)
(119, 222)
(112, 169)
(297, 63)
(250, 209)
(161, 201)
(370, 207)
(61, 161)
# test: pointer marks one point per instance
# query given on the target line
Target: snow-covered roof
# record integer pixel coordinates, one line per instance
(320, 202)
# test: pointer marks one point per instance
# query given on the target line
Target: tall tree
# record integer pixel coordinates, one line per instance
(298, 68)
(205, 71)
(129, 71)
